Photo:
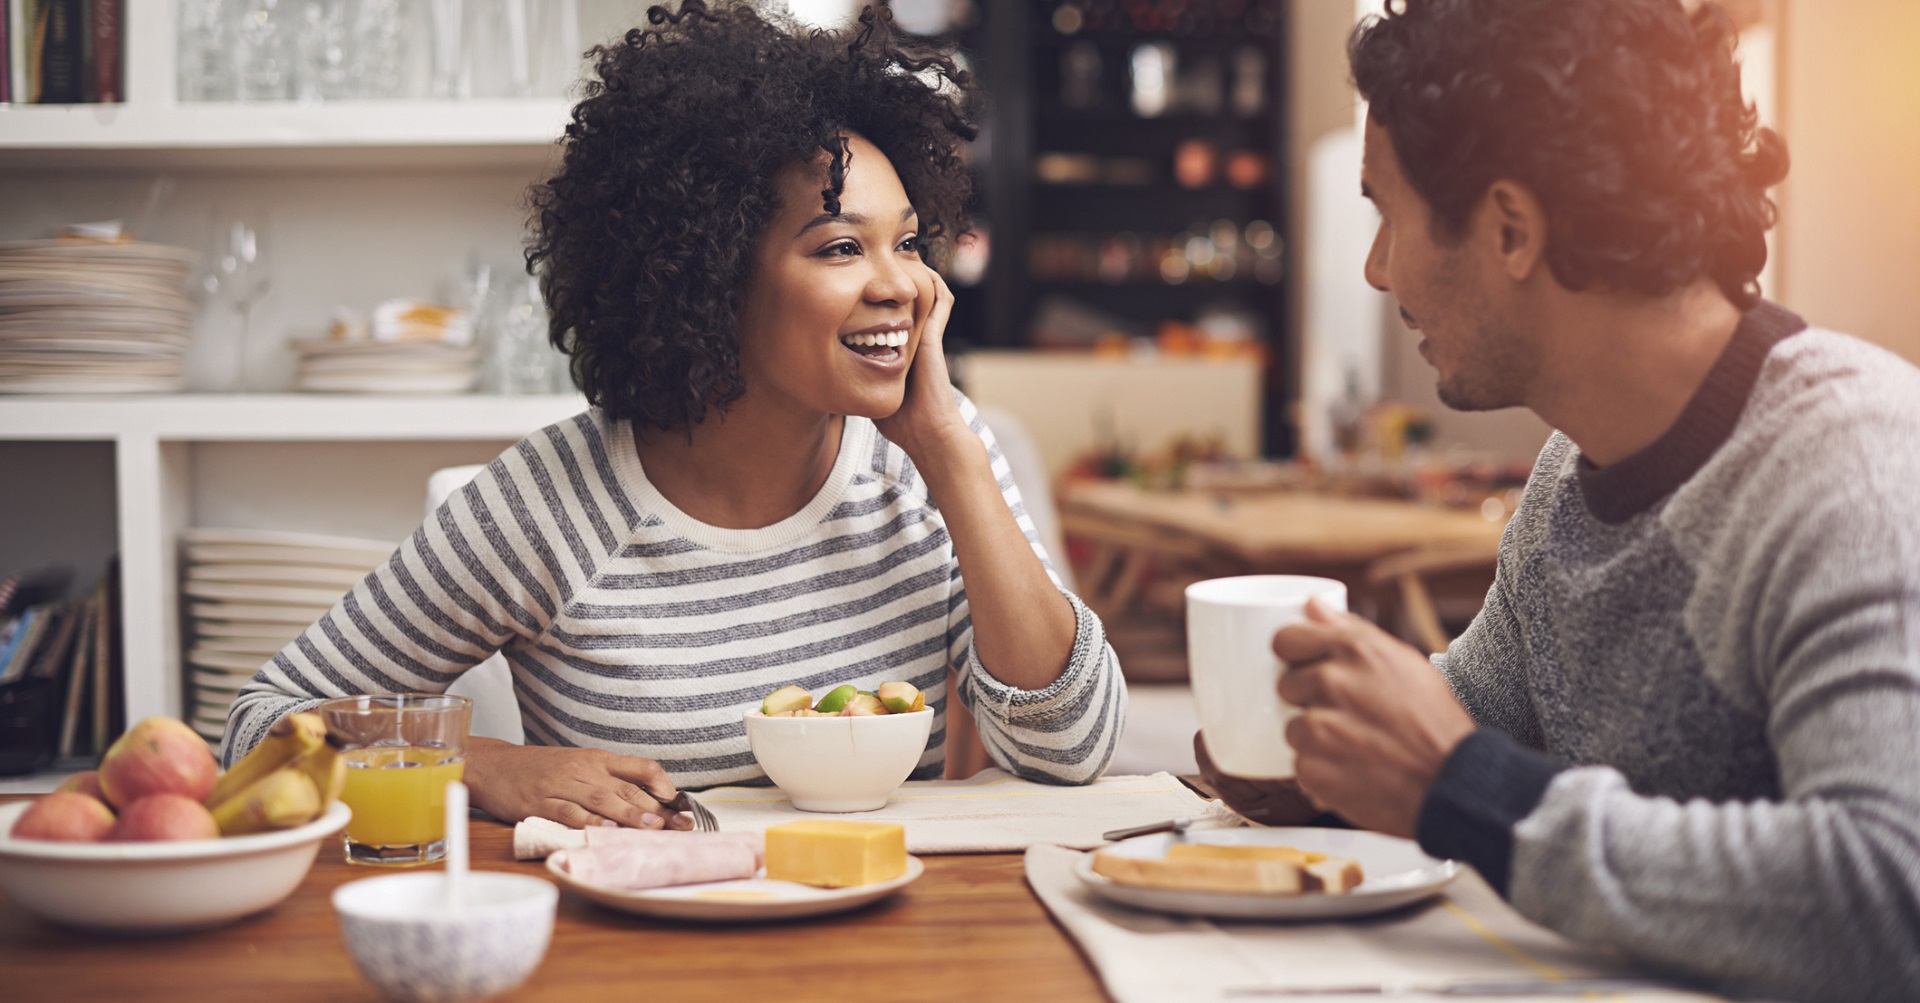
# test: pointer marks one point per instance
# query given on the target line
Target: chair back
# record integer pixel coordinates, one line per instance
(1423, 571)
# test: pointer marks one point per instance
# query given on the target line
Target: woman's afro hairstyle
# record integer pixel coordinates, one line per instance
(1624, 117)
(644, 238)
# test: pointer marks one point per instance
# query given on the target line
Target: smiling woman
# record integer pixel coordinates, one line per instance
(777, 483)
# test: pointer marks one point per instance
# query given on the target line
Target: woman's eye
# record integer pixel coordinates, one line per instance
(840, 249)
(911, 245)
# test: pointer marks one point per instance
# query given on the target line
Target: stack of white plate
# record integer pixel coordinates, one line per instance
(420, 367)
(248, 593)
(80, 316)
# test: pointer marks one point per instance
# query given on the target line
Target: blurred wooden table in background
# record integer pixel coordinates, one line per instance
(1147, 546)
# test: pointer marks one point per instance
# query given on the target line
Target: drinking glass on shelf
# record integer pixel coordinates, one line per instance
(236, 276)
(262, 44)
(379, 48)
(321, 72)
(450, 80)
(204, 51)
(520, 360)
(402, 750)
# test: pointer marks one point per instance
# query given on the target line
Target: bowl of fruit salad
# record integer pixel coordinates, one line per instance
(846, 751)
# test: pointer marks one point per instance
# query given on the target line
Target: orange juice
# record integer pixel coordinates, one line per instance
(399, 794)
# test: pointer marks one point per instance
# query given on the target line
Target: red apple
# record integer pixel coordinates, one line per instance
(164, 816)
(157, 756)
(66, 817)
(85, 782)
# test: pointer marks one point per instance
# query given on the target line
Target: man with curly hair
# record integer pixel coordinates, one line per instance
(776, 483)
(1686, 723)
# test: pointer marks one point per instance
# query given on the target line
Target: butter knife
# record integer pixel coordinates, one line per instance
(1173, 825)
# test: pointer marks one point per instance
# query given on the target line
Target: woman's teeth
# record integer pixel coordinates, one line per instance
(885, 339)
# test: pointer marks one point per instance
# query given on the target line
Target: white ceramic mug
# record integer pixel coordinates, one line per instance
(1230, 628)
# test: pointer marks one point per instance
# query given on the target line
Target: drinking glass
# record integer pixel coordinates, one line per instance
(263, 43)
(204, 50)
(1230, 628)
(402, 750)
(237, 274)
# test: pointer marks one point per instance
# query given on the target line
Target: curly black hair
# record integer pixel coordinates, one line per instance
(644, 237)
(1623, 116)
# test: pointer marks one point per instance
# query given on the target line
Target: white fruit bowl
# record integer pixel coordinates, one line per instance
(162, 886)
(839, 764)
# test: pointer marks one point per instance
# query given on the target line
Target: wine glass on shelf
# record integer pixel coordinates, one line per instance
(236, 277)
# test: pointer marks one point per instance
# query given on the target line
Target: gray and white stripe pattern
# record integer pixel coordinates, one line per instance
(631, 627)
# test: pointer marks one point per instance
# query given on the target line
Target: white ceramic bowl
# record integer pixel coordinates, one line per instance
(408, 942)
(158, 886)
(839, 764)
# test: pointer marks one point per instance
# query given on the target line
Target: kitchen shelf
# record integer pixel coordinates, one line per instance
(154, 438)
(359, 135)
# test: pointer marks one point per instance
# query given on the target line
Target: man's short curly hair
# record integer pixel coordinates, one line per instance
(644, 237)
(1623, 116)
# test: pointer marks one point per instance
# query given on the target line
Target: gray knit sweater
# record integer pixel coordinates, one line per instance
(1698, 676)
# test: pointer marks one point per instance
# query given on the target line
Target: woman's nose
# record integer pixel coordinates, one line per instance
(891, 283)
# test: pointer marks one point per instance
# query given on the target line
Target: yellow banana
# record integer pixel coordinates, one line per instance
(280, 800)
(326, 766)
(290, 737)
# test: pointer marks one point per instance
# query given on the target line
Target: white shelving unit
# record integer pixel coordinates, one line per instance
(153, 440)
(372, 198)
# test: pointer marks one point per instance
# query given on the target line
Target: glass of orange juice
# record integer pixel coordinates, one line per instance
(402, 749)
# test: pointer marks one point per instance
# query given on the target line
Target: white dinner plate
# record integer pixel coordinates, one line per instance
(742, 900)
(1397, 873)
(300, 616)
(240, 631)
(258, 648)
(249, 592)
(362, 561)
(270, 574)
(283, 538)
(225, 663)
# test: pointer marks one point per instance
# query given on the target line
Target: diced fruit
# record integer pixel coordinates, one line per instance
(66, 817)
(164, 816)
(803, 712)
(829, 853)
(902, 698)
(157, 756)
(786, 698)
(863, 705)
(836, 699)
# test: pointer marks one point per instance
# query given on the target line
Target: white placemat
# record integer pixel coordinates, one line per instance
(994, 811)
(1466, 935)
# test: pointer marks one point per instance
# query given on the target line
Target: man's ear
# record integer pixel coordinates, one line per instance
(1518, 227)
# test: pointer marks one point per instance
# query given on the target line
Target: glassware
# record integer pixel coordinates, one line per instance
(233, 275)
(450, 80)
(204, 51)
(520, 359)
(379, 47)
(322, 43)
(263, 49)
(402, 750)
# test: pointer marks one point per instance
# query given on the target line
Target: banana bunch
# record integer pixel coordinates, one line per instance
(289, 779)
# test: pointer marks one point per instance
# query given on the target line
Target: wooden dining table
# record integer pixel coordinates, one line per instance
(967, 929)
(1190, 534)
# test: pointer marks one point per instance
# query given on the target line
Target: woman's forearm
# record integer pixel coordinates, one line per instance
(1023, 628)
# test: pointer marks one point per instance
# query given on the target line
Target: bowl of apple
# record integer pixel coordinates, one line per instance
(845, 752)
(159, 840)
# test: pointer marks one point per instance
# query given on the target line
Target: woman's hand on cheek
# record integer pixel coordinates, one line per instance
(928, 418)
(576, 787)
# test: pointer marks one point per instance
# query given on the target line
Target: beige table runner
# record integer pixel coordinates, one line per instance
(994, 811)
(1468, 935)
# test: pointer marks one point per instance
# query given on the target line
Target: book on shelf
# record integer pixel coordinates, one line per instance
(57, 661)
(62, 51)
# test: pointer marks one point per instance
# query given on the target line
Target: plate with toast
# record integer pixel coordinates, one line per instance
(1279, 873)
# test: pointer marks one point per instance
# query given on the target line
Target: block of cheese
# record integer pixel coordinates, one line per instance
(1252, 870)
(831, 853)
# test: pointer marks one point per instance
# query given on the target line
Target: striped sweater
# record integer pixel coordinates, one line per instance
(631, 627)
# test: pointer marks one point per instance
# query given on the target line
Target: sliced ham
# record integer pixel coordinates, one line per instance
(687, 858)
(536, 838)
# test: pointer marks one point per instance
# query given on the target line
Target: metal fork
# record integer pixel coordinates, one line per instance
(703, 820)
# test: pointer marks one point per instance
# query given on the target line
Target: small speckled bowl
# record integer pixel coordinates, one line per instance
(410, 945)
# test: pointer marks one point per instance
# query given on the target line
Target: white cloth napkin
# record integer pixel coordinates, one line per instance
(1467, 935)
(994, 811)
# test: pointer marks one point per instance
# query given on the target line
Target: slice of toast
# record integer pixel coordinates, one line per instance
(1247, 870)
